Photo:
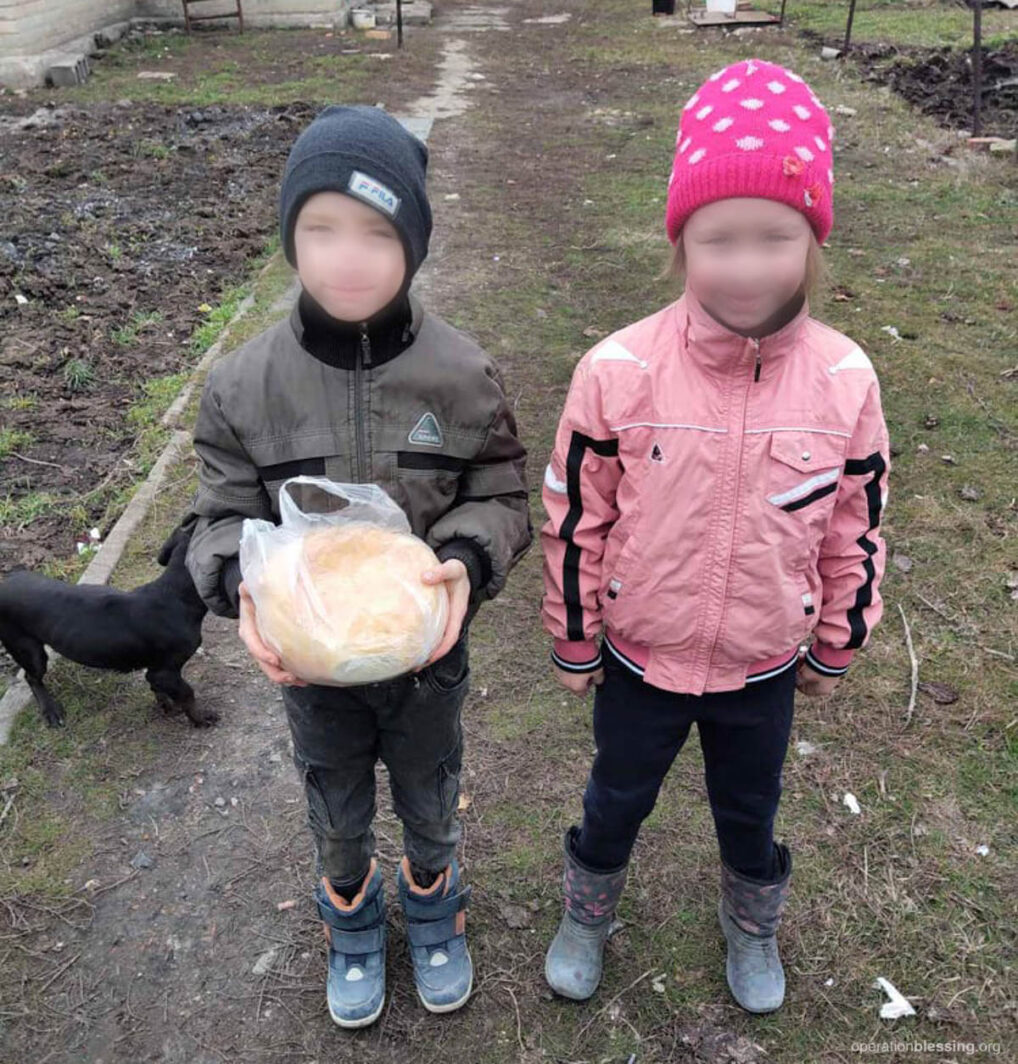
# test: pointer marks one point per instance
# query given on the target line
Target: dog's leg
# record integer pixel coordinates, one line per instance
(174, 694)
(30, 654)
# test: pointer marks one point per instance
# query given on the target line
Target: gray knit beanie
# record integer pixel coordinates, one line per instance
(362, 152)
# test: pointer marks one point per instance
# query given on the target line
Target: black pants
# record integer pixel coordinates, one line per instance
(640, 729)
(411, 723)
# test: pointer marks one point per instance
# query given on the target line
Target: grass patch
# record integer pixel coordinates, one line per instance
(927, 23)
(211, 69)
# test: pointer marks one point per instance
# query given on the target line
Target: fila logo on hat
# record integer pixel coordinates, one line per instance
(374, 192)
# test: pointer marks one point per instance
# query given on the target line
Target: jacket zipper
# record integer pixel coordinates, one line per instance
(360, 427)
(738, 478)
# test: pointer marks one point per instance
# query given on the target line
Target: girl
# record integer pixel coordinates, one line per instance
(714, 496)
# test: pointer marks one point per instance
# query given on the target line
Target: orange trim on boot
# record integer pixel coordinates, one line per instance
(443, 877)
(338, 900)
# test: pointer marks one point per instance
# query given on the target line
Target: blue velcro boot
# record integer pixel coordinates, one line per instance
(355, 931)
(436, 930)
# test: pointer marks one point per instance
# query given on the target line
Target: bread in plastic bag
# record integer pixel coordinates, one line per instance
(337, 584)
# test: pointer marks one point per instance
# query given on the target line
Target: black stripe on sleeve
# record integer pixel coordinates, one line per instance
(579, 443)
(876, 465)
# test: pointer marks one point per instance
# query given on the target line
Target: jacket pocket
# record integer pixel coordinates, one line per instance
(805, 470)
(423, 484)
(615, 571)
(798, 489)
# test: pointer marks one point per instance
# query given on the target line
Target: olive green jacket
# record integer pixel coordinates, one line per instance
(430, 425)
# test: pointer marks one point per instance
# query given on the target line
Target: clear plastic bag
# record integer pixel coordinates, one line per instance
(337, 584)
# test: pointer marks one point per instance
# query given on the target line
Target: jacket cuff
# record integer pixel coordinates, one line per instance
(576, 655)
(828, 660)
(476, 560)
(229, 582)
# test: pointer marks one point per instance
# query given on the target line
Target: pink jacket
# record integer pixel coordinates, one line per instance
(712, 500)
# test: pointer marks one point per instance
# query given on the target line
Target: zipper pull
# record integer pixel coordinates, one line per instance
(365, 344)
(756, 370)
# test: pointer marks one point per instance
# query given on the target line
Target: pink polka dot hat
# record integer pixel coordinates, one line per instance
(753, 129)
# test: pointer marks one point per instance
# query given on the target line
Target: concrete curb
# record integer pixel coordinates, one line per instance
(19, 695)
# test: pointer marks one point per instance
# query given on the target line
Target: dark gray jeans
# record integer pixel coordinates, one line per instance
(413, 724)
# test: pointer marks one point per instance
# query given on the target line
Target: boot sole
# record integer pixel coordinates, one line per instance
(353, 1025)
(452, 1006)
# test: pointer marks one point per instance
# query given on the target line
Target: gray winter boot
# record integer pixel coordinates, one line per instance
(573, 964)
(750, 913)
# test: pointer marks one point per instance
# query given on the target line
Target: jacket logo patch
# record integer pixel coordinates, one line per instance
(426, 431)
(656, 454)
(374, 192)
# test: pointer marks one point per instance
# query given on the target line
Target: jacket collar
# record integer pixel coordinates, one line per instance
(724, 352)
(341, 343)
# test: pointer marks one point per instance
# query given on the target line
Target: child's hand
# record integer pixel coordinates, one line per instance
(457, 583)
(268, 660)
(578, 683)
(813, 683)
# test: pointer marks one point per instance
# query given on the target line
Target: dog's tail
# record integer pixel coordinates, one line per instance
(178, 537)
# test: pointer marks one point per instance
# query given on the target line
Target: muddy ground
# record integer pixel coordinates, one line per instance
(120, 221)
(939, 82)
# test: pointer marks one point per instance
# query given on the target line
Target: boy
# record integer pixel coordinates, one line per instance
(361, 384)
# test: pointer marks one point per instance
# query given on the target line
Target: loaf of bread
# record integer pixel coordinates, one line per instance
(345, 604)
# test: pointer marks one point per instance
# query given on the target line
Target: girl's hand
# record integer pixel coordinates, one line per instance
(578, 683)
(813, 683)
(268, 660)
(453, 573)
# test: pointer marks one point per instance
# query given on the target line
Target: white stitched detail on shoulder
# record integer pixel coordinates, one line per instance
(855, 359)
(552, 482)
(613, 351)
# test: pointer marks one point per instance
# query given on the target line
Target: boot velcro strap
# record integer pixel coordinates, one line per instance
(369, 916)
(431, 932)
(367, 940)
(431, 908)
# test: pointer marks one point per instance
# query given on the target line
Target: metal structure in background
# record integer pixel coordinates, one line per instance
(744, 15)
(399, 23)
(977, 67)
(189, 18)
(848, 26)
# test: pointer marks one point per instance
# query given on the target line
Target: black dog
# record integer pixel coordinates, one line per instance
(155, 627)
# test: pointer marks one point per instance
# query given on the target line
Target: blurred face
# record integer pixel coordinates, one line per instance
(745, 259)
(349, 257)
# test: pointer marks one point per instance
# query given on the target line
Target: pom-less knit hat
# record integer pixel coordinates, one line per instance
(365, 153)
(753, 129)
